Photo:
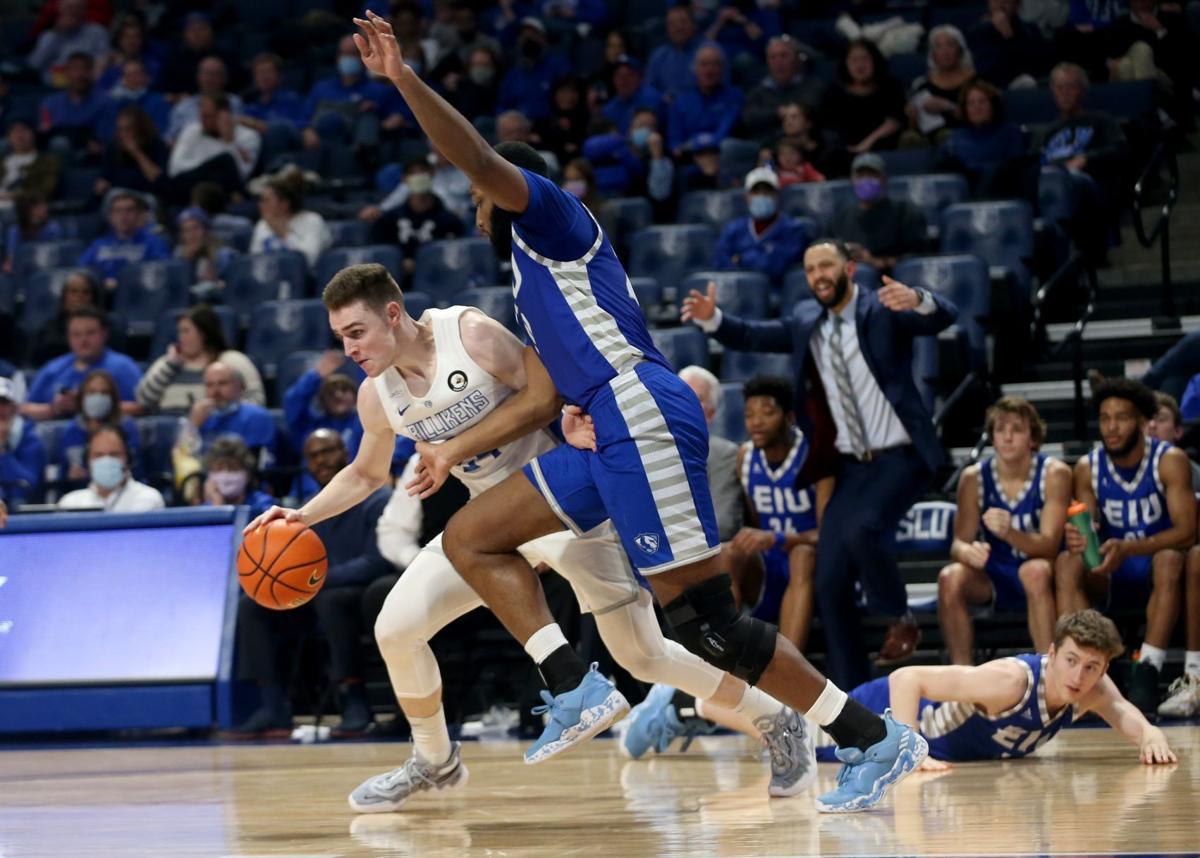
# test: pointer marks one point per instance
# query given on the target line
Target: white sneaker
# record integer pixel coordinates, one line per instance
(1183, 698)
(388, 792)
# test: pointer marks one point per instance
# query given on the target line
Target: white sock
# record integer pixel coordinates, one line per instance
(1191, 662)
(828, 706)
(754, 704)
(431, 739)
(1153, 656)
(543, 642)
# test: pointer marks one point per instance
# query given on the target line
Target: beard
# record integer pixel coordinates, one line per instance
(1125, 448)
(501, 233)
(839, 291)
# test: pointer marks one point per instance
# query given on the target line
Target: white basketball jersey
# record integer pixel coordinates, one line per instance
(461, 394)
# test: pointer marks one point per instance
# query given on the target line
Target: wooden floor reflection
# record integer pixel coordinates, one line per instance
(1085, 793)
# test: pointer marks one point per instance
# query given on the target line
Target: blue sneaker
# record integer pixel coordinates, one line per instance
(577, 715)
(653, 723)
(867, 775)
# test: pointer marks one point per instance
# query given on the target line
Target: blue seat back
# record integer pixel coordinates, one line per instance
(416, 303)
(670, 253)
(908, 162)
(714, 208)
(682, 346)
(818, 200)
(147, 290)
(930, 192)
(277, 276)
(623, 216)
(157, 435)
(649, 294)
(43, 292)
(741, 366)
(742, 293)
(964, 280)
(34, 256)
(165, 328)
(348, 232)
(730, 419)
(335, 259)
(496, 302)
(1000, 233)
(280, 327)
(927, 527)
(445, 268)
(737, 158)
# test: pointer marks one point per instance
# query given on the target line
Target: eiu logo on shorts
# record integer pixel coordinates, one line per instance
(648, 542)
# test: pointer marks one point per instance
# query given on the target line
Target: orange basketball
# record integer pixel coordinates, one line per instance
(281, 565)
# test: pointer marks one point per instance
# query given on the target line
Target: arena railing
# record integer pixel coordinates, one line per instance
(1163, 156)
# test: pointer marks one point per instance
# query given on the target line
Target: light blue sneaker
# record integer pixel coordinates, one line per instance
(577, 715)
(866, 776)
(653, 723)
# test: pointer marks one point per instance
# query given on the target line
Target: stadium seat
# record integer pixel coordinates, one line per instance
(43, 291)
(251, 280)
(157, 436)
(34, 256)
(741, 293)
(496, 302)
(1124, 100)
(8, 293)
(235, 234)
(623, 216)
(294, 364)
(84, 227)
(416, 303)
(682, 346)
(930, 192)
(962, 279)
(714, 208)
(908, 67)
(649, 295)
(165, 332)
(1000, 233)
(741, 366)
(1056, 195)
(338, 257)
(350, 232)
(927, 527)
(668, 253)
(730, 419)
(146, 290)
(818, 200)
(445, 268)
(908, 162)
(737, 158)
(280, 327)
(50, 433)
(78, 184)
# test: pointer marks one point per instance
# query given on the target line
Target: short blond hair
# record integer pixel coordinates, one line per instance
(1090, 629)
(1021, 407)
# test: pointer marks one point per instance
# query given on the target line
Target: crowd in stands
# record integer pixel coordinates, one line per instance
(178, 181)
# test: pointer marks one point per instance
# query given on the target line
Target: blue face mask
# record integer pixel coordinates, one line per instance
(640, 137)
(763, 206)
(107, 471)
(349, 66)
(868, 189)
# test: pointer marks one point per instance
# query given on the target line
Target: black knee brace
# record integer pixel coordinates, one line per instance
(706, 621)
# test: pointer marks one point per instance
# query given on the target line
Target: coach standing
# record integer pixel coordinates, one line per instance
(853, 350)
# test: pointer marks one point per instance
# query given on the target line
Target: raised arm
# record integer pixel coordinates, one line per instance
(995, 686)
(730, 331)
(448, 130)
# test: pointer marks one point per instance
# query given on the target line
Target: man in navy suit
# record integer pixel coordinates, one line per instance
(854, 354)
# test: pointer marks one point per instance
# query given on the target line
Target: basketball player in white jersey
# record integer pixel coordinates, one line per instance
(429, 379)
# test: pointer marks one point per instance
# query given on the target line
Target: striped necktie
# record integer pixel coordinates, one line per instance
(841, 377)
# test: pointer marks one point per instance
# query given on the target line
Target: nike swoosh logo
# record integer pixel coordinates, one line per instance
(315, 578)
(405, 408)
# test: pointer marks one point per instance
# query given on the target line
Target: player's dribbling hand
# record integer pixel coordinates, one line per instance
(578, 428)
(896, 296)
(378, 47)
(431, 471)
(1154, 749)
(698, 306)
(275, 512)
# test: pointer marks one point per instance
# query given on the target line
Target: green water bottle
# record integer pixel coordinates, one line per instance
(1080, 516)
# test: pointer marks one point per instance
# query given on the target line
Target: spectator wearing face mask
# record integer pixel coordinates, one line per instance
(579, 180)
(22, 454)
(526, 87)
(766, 240)
(420, 219)
(474, 92)
(230, 477)
(618, 168)
(99, 406)
(345, 107)
(112, 487)
(878, 229)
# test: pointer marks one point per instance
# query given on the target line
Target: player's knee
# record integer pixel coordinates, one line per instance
(1167, 568)
(950, 582)
(708, 624)
(1036, 576)
(397, 632)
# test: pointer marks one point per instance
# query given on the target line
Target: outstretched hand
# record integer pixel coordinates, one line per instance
(897, 297)
(431, 471)
(698, 306)
(378, 47)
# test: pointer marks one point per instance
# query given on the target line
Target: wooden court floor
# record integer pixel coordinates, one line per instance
(1085, 793)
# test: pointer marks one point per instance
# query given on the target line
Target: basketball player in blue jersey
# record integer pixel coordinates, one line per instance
(590, 347)
(1010, 707)
(1139, 491)
(1018, 498)
(782, 519)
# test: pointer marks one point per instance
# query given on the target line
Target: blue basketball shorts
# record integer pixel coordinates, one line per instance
(649, 473)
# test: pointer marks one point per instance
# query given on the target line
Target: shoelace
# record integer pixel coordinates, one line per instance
(551, 705)
(693, 727)
(782, 740)
(410, 771)
(1181, 683)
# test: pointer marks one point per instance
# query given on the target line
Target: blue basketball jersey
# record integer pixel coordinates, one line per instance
(1130, 505)
(572, 295)
(781, 507)
(1025, 510)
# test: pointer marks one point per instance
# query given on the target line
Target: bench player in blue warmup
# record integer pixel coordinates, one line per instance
(1139, 491)
(590, 347)
(1010, 707)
